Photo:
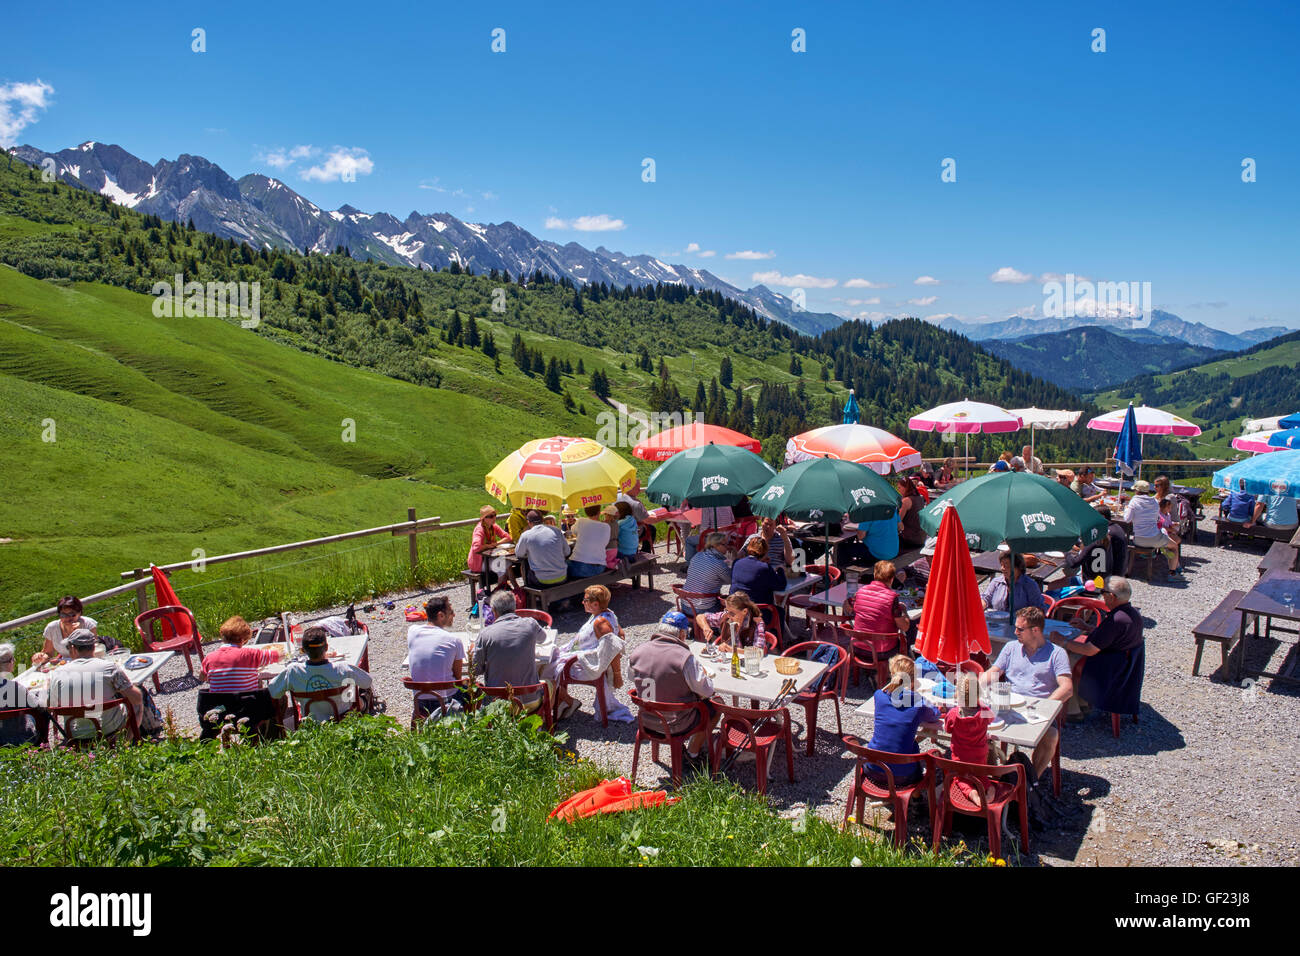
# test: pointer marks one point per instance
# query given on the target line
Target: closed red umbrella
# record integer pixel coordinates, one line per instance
(952, 619)
(670, 441)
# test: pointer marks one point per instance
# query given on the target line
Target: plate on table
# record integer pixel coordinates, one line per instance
(138, 662)
(1054, 554)
(997, 724)
(37, 682)
(1018, 700)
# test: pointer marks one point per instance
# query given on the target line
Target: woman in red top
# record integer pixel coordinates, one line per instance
(233, 668)
(487, 535)
(876, 607)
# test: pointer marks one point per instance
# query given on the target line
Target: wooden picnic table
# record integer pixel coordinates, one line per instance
(1024, 726)
(1275, 595)
(35, 680)
(766, 687)
(988, 562)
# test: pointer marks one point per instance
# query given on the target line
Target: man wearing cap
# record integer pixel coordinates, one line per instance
(319, 673)
(664, 671)
(1083, 486)
(90, 681)
(547, 552)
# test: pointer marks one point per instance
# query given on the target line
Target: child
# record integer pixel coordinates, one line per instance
(968, 725)
(897, 715)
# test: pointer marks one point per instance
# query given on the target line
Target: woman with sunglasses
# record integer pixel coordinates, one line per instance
(57, 631)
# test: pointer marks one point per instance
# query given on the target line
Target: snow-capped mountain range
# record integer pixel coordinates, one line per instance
(263, 211)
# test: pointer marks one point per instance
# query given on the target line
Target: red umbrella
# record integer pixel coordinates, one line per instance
(952, 619)
(670, 441)
(162, 589)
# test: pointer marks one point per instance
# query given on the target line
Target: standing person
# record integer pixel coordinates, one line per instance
(505, 654)
(664, 671)
(233, 673)
(1035, 667)
(1032, 462)
(318, 672)
(487, 535)
(1143, 512)
(57, 631)
(909, 514)
(708, 572)
(590, 544)
(1027, 592)
(437, 655)
(598, 648)
(87, 681)
(546, 550)
(16, 731)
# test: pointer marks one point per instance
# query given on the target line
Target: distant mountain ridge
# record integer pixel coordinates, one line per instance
(261, 210)
(1163, 324)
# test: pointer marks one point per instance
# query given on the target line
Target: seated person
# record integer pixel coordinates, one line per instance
(968, 726)
(629, 532)
(710, 518)
(487, 535)
(592, 541)
(90, 681)
(57, 631)
(1032, 462)
(1034, 667)
(738, 619)
(505, 654)
(234, 681)
(16, 731)
(1017, 463)
(1027, 592)
(752, 575)
(546, 550)
(1112, 677)
(1083, 485)
(317, 673)
(708, 572)
(947, 473)
(436, 655)
(1143, 511)
(1239, 506)
(1064, 476)
(1002, 464)
(877, 608)
(1274, 511)
(664, 670)
(898, 715)
(598, 649)
(881, 538)
(780, 553)
(517, 523)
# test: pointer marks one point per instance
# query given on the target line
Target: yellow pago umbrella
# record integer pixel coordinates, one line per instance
(550, 472)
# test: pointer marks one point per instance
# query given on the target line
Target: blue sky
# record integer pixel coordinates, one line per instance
(1119, 166)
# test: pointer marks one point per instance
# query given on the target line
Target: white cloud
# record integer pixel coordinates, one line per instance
(281, 158)
(874, 300)
(341, 162)
(692, 247)
(304, 152)
(490, 195)
(797, 281)
(924, 300)
(708, 253)
(19, 105)
(925, 280)
(1008, 274)
(1061, 277)
(600, 223)
(940, 317)
(1028, 312)
(865, 284)
(750, 254)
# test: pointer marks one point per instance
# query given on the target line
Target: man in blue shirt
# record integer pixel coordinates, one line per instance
(1276, 511)
(708, 572)
(1027, 593)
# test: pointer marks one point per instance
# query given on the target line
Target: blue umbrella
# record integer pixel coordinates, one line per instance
(851, 410)
(1275, 474)
(1287, 439)
(1291, 421)
(1128, 449)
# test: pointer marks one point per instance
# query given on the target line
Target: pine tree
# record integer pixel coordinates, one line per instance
(553, 375)
(455, 330)
(724, 372)
(582, 370)
(472, 338)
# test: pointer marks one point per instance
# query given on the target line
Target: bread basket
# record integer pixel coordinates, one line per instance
(787, 666)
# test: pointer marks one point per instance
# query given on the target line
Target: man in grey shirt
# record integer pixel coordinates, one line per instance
(547, 552)
(504, 654)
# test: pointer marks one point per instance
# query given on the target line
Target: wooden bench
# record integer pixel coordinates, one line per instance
(1223, 528)
(1134, 553)
(1223, 624)
(1281, 556)
(541, 598)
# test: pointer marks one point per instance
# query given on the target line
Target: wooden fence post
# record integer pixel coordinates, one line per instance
(414, 540)
(141, 592)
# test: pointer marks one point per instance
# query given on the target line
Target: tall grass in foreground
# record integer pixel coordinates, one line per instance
(471, 790)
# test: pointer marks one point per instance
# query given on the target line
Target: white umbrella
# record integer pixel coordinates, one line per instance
(966, 418)
(1262, 424)
(1048, 419)
(1150, 421)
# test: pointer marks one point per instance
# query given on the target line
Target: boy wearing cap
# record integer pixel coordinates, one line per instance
(664, 671)
(90, 681)
(319, 673)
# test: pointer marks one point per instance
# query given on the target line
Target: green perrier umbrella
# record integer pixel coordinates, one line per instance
(1026, 511)
(708, 476)
(824, 488)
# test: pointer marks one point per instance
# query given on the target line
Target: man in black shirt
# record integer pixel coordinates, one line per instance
(1112, 677)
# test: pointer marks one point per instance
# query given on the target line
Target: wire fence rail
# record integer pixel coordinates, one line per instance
(139, 579)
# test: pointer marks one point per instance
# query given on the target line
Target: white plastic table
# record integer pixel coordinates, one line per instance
(765, 687)
(36, 683)
(352, 648)
(1024, 726)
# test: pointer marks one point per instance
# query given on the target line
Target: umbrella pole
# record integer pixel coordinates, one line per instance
(827, 559)
(1030, 463)
(966, 459)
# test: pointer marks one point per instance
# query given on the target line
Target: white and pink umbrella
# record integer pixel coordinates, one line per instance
(1256, 442)
(966, 418)
(874, 447)
(1150, 421)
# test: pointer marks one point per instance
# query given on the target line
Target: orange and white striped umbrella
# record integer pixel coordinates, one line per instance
(874, 447)
(551, 472)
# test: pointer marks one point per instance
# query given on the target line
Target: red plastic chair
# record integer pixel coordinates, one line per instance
(834, 685)
(428, 687)
(834, 572)
(602, 703)
(512, 694)
(37, 715)
(734, 728)
(899, 797)
(1084, 612)
(953, 671)
(303, 699)
(693, 603)
(990, 795)
(872, 651)
(652, 712)
(541, 617)
(178, 630)
(83, 712)
(772, 621)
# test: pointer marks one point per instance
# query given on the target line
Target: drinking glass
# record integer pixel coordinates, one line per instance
(753, 661)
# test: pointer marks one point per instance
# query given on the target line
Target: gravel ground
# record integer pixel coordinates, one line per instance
(1206, 777)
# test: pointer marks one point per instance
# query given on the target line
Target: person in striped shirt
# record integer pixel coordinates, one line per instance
(709, 572)
(234, 684)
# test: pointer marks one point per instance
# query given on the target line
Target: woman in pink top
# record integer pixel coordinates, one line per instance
(487, 535)
(876, 607)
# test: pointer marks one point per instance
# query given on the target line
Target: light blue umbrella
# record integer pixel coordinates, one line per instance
(1128, 449)
(1275, 474)
(1285, 439)
(1291, 421)
(851, 409)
